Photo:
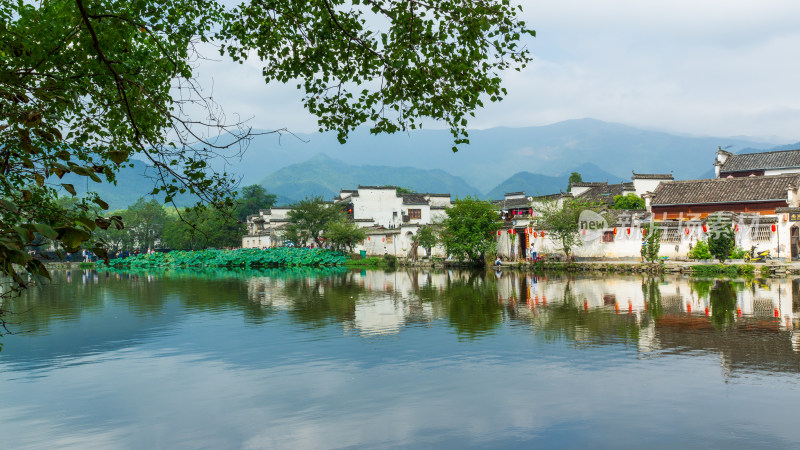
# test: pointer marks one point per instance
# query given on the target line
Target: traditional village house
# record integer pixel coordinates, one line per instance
(621, 237)
(264, 228)
(729, 165)
(392, 219)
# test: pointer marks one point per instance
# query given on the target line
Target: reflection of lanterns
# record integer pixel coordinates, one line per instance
(383, 239)
(584, 232)
(705, 228)
(774, 228)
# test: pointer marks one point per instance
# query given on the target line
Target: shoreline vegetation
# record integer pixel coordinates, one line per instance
(304, 257)
(245, 258)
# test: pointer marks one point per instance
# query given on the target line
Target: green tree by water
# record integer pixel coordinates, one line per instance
(252, 199)
(309, 218)
(651, 244)
(721, 240)
(146, 222)
(343, 234)
(89, 85)
(561, 220)
(426, 238)
(468, 230)
(202, 227)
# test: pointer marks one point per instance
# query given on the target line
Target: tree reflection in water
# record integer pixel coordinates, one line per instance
(655, 314)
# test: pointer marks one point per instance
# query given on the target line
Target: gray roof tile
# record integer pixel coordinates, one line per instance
(759, 161)
(724, 190)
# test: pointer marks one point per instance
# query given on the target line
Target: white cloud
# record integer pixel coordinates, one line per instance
(699, 67)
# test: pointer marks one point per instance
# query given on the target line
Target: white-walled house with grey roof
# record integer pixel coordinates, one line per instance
(390, 219)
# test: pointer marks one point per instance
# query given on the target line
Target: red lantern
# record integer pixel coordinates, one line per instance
(687, 230)
(530, 211)
(499, 233)
(535, 235)
(736, 227)
(369, 238)
(785, 217)
(774, 228)
(705, 228)
(644, 231)
(383, 239)
(584, 232)
(615, 231)
(542, 233)
(629, 231)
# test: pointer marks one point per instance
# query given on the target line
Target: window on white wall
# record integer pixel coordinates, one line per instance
(415, 213)
(761, 233)
(671, 235)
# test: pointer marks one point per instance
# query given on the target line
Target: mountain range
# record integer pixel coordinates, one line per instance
(497, 153)
(537, 160)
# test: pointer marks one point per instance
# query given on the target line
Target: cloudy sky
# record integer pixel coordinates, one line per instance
(700, 67)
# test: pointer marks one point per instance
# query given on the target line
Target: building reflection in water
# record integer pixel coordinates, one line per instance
(750, 323)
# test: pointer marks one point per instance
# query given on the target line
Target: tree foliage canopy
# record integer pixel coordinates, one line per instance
(721, 239)
(574, 177)
(309, 218)
(629, 201)
(561, 219)
(344, 234)
(85, 85)
(468, 230)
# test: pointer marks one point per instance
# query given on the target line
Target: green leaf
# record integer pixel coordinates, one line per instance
(118, 157)
(45, 230)
(72, 238)
(100, 202)
(69, 188)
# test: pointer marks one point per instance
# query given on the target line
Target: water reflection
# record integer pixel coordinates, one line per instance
(337, 358)
(639, 311)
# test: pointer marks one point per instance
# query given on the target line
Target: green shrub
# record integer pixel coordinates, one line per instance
(390, 260)
(246, 257)
(700, 251)
(737, 253)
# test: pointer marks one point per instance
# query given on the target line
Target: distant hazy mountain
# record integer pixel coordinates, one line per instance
(132, 183)
(484, 166)
(496, 153)
(537, 184)
(325, 176)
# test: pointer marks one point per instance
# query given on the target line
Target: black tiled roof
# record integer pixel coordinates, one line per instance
(604, 193)
(724, 190)
(513, 203)
(652, 176)
(414, 199)
(758, 161)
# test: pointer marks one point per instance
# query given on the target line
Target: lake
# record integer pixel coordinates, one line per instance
(362, 359)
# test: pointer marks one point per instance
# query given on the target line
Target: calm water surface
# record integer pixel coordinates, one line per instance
(333, 359)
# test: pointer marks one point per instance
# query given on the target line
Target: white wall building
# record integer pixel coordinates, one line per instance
(390, 219)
